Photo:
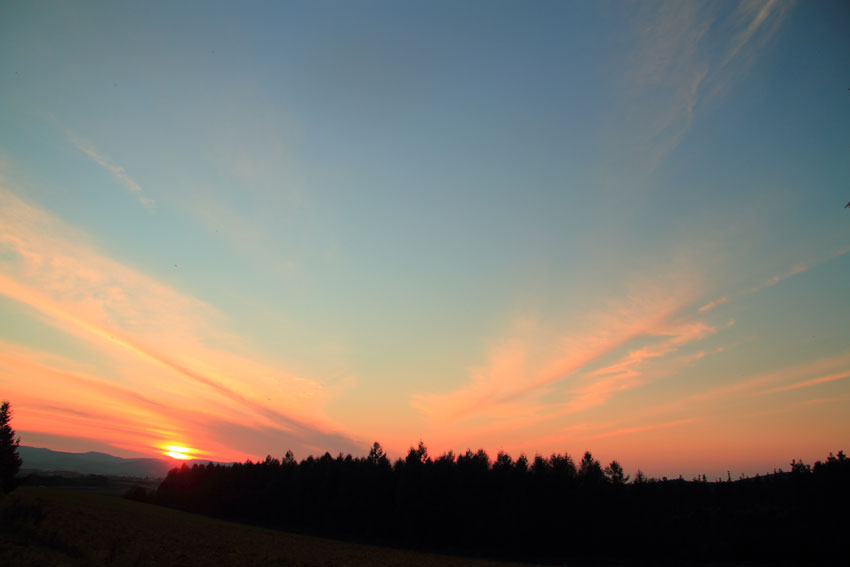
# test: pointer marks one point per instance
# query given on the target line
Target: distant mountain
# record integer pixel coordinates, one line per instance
(93, 463)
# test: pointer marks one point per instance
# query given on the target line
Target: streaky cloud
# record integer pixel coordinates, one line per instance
(119, 174)
(813, 382)
(711, 305)
(138, 321)
(796, 269)
(519, 370)
(686, 53)
(642, 428)
(764, 383)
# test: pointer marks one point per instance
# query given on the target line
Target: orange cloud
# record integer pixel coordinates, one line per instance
(598, 386)
(713, 304)
(54, 395)
(642, 428)
(755, 385)
(526, 365)
(812, 382)
(681, 335)
(155, 339)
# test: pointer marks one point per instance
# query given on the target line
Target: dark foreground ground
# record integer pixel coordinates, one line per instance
(59, 526)
(56, 526)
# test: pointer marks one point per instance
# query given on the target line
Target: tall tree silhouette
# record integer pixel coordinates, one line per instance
(590, 471)
(10, 461)
(614, 473)
(418, 456)
(377, 455)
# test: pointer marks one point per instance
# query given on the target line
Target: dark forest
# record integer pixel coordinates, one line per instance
(546, 509)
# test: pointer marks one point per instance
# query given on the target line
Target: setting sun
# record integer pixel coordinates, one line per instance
(178, 452)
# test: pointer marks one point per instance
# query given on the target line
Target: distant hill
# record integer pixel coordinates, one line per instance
(93, 463)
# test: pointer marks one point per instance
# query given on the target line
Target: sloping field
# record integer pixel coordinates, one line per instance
(51, 526)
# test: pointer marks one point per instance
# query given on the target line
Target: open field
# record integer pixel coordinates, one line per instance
(51, 526)
(41, 526)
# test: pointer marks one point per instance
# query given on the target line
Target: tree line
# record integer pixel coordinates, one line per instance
(542, 509)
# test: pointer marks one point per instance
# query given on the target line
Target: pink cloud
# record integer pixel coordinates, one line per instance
(642, 428)
(522, 368)
(756, 385)
(155, 338)
(713, 304)
(812, 382)
(597, 387)
(679, 336)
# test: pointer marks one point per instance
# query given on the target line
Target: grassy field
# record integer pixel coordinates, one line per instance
(43, 526)
(53, 526)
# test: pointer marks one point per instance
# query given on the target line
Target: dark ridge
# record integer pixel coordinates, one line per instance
(92, 462)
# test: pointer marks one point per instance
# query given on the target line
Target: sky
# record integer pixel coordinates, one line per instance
(536, 227)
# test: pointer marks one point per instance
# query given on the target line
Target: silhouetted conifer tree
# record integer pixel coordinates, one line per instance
(377, 455)
(10, 461)
(614, 473)
(590, 471)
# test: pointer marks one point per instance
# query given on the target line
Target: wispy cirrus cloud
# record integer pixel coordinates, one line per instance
(755, 23)
(119, 174)
(792, 271)
(526, 368)
(532, 382)
(679, 335)
(518, 368)
(642, 428)
(686, 53)
(796, 269)
(811, 382)
(632, 370)
(61, 396)
(807, 374)
(162, 343)
(711, 305)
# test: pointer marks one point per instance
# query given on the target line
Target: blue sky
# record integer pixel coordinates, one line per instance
(524, 226)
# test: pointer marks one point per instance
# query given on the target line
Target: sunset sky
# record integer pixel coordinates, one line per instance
(242, 228)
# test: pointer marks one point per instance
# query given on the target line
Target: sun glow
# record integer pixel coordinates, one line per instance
(178, 452)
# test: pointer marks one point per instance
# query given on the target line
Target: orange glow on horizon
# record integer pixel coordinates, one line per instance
(177, 455)
(178, 452)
